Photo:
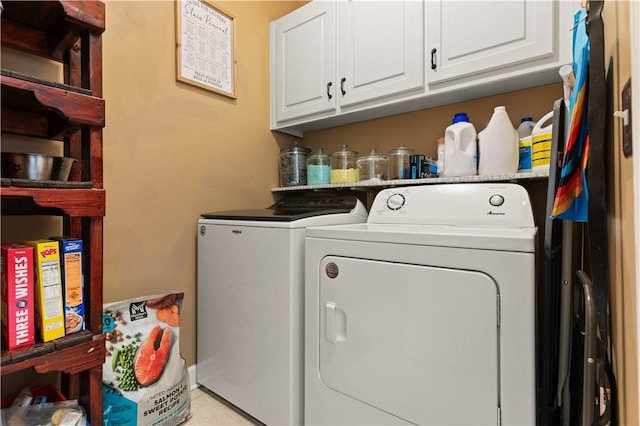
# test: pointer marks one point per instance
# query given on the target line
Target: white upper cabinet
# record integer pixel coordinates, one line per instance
(470, 37)
(303, 62)
(380, 48)
(325, 59)
(335, 62)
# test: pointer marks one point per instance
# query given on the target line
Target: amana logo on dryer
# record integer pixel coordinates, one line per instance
(492, 213)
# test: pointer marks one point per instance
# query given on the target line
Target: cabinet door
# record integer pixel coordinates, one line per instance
(380, 45)
(303, 64)
(470, 37)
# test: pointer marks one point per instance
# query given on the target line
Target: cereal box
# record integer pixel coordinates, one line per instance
(50, 322)
(17, 295)
(72, 282)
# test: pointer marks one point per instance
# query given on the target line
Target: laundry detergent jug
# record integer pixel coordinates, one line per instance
(460, 148)
(541, 144)
(498, 144)
(524, 135)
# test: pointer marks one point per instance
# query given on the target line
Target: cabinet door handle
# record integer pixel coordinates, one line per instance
(329, 95)
(433, 58)
(342, 86)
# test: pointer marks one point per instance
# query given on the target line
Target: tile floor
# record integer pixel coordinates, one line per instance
(208, 410)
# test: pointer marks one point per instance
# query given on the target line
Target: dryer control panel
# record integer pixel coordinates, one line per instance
(465, 204)
(395, 201)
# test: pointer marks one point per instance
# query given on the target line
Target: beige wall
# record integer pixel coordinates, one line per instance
(173, 151)
(420, 130)
(621, 218)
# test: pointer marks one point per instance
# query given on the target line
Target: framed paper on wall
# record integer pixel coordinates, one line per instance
(205, 46)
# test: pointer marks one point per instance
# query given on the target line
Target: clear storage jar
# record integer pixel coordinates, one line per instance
(398, 159)
(293, 165)
(344, 168)
(318, 168)
(372, 166)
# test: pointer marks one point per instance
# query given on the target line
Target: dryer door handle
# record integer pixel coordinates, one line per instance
(335, 322)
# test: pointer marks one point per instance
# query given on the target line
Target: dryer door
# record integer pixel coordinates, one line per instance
(418, 342)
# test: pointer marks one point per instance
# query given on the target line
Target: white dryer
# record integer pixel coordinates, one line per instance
(426, 313)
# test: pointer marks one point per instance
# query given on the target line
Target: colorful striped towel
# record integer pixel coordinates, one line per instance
(572, 195)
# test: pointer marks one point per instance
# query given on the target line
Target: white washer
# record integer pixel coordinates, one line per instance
(426, 313)
(250, 301)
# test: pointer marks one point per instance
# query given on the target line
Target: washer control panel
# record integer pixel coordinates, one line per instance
(468, 204)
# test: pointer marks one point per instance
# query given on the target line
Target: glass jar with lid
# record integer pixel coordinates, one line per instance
(398, 159)
(343, 165)
(372, 166)
(293, 165)
(318, 168)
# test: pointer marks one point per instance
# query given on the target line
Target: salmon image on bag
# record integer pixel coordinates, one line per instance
(152, 356)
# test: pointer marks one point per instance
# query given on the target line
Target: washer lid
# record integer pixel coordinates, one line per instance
(291, 208)
(267, 215)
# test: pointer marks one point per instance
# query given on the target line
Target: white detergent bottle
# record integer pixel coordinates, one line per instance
(460, 147)
(498, 144)
(541, 143)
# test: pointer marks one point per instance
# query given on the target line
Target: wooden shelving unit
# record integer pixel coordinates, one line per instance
(72, 112)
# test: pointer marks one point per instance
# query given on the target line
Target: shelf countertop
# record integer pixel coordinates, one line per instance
(367, 185)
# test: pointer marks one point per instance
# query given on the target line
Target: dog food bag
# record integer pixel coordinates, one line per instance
(145, 378)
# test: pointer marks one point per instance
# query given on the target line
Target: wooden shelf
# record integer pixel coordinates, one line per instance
(46, 109)
(53, 201)
(49, 28)
(70, 354)
(376, 185)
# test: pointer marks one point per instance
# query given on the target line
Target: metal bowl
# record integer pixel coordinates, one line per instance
(35, 166)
